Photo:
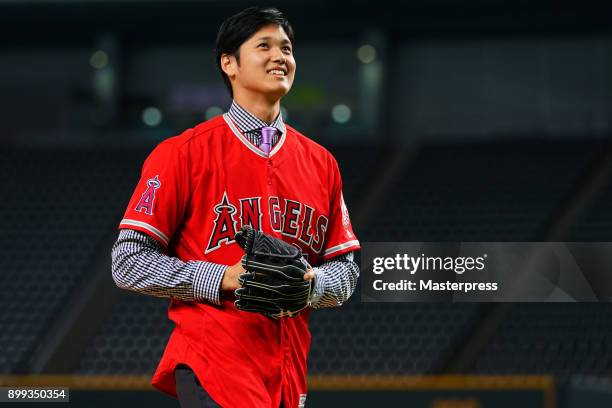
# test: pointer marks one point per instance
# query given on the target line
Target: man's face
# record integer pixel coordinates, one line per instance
(266, 64)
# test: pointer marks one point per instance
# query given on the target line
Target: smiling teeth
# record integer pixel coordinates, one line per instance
(277, 72)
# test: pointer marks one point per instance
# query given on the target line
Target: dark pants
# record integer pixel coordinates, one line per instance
(190, 392)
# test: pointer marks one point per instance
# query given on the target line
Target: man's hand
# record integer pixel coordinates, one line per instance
(230, 277)
(310, 275)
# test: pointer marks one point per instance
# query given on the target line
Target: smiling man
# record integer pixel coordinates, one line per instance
(177, 238)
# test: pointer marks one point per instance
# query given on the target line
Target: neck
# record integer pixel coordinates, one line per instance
(258, 106)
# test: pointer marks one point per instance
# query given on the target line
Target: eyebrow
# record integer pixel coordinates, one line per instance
(284, 41)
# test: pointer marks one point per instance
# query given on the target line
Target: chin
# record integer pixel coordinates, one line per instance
(278, 92)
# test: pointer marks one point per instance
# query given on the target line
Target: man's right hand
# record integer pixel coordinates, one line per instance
(230, 277)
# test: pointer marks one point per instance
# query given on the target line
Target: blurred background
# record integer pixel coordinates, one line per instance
(451, 120)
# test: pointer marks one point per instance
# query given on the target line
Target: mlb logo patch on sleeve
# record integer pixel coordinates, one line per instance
(346, 221)
(145, 204)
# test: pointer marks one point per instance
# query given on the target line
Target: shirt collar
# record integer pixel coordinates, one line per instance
(247, 122)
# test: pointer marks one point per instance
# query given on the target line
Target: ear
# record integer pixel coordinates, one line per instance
(229, 65)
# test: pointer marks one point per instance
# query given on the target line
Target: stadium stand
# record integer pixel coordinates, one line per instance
(558, 339)
(481, 192)
(58, 207)
(131, 340)
(388, 338)
(596, 223)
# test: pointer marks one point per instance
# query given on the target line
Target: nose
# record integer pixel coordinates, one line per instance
(278, 56)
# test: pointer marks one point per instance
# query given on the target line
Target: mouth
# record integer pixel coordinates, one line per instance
(277, 72)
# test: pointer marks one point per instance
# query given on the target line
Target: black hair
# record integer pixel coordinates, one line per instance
(237, 29)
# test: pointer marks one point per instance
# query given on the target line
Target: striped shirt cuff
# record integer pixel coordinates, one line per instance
(319, 285)
(335, 282)
(207, 281)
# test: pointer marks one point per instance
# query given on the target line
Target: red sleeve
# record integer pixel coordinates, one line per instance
(160, 198)
(340, 237)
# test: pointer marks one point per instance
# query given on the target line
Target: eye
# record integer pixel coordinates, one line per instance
(263, 45)
(287, 49)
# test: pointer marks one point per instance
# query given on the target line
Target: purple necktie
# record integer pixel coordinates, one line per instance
(267, 133)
